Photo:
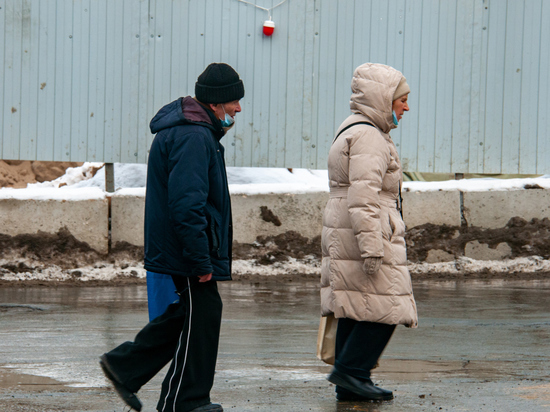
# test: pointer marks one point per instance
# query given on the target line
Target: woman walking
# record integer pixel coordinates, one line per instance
(364, 277)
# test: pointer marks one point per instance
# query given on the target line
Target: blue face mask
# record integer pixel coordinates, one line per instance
(228, 121)
(395, 122)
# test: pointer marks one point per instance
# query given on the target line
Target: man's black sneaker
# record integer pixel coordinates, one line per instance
(125, 394)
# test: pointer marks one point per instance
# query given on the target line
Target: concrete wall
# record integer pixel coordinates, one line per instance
(439, 208)
(273, 214)
(127, 219)
(284, 212)
(87, 220)
(281, 213)
(493, 209)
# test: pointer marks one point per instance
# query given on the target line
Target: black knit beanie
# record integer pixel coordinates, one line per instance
(219, 83)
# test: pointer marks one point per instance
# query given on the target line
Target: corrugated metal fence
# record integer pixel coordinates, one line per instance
(80, 79)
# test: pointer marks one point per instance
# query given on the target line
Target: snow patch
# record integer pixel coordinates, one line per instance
(100, 271)
(72, 176)
(479, 184)
(52, 193)
(464, 265)
(290, 267)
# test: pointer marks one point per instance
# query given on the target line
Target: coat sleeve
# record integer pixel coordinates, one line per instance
(368, 162)
(188, 186)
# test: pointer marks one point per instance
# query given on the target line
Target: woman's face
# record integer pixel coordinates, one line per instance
(400, 106)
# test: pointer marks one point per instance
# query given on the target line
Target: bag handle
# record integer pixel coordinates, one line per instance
(350, 125)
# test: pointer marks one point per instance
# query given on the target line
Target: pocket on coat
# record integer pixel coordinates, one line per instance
(397, 226)
(387, 229)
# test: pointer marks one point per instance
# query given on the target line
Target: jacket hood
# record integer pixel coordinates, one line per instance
(373, 86)
(182, 111)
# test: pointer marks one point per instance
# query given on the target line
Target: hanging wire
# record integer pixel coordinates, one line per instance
(263, 8)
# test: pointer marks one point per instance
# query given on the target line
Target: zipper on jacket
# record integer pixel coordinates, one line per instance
(400, 202)
(215, 241)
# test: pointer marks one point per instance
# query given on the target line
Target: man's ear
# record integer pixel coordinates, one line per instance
(213, 106)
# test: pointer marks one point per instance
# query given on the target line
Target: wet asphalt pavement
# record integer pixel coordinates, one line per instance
(480, 346)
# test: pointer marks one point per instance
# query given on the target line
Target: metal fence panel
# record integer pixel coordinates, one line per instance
(81, 79)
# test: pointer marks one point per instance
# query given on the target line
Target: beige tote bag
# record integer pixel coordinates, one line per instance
(326, 338)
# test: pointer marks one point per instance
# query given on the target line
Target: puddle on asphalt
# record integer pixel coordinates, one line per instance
(10, 379)
(399, 369)
(540, 392)
(418, 370)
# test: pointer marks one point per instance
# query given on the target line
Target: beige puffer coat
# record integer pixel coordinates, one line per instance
(361, 218)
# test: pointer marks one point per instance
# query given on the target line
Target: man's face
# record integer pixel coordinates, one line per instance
(231, 108)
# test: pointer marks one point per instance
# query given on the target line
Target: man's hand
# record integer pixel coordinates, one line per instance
(205, 278)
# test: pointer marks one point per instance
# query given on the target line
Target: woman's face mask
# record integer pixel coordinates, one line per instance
(395, 122)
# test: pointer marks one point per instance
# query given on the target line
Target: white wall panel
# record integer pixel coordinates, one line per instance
(529, 80)
(461, 88)
(407, 133)
(12, 78)
(326, 103)
(3, 61)
(81, 79)
(478, 95)
(543, 101)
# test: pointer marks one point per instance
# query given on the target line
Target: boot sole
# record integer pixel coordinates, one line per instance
(335, 379)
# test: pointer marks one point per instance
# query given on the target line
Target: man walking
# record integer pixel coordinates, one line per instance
(188, 236)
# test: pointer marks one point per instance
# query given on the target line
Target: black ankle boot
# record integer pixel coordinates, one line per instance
(364, 389)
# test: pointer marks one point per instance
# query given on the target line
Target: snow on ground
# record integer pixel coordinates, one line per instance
(101, 271)
(309, 267)
(81, 183)
(464, 265)
(242, 180)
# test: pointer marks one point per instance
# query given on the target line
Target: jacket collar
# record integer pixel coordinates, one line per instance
(198, 113)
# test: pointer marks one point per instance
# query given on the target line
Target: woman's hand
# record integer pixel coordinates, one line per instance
(371, 265)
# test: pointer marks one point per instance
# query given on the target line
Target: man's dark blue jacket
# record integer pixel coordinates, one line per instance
(187, 205)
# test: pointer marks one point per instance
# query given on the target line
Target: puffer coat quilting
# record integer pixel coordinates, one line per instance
(361, 218)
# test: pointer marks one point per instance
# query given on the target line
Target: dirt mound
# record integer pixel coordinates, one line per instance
(267, 250)
(63, 250)
(60, 249)
(524, 238)
(51, 259)
(18, 173)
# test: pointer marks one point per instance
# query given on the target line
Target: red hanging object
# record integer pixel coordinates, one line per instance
(269, 27)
